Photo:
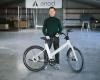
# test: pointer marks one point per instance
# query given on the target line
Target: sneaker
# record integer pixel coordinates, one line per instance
(57, 66)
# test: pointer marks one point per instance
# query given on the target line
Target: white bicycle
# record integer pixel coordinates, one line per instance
(36, 58)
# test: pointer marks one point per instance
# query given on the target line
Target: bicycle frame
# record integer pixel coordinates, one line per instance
(37, 54)
(51, 54)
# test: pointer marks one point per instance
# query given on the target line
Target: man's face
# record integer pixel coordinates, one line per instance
(52, 12)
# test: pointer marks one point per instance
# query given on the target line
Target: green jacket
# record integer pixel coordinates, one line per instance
(51, 26)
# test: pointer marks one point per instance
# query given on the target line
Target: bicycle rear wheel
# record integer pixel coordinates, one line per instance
(75, 64)
(33, 61)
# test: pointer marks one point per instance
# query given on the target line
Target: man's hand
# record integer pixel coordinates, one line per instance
(47, 37)
(57, 35)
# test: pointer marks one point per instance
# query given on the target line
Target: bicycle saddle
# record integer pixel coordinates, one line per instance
(44, 38)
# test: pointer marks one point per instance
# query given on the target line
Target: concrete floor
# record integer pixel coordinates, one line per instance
(13, 44)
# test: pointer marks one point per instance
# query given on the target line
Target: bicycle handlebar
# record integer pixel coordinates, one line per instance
(66, 36)
(67, 31)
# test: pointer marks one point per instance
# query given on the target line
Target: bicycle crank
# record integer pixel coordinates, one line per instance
(52, 62)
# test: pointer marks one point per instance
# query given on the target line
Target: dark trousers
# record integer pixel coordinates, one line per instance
(55, 42)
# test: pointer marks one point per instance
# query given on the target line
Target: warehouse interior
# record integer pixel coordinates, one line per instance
(15, 16)
(20, 28)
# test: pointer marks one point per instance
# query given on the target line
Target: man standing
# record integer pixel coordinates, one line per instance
(51, 29)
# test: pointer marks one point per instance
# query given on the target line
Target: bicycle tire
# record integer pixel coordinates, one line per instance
(69, 62)
(26, 53)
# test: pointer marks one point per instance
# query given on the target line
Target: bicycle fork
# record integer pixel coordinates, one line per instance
(70, 46)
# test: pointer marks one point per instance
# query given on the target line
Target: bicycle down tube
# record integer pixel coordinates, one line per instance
(50, 55)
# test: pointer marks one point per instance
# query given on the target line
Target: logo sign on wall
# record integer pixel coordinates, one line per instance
(43, 3)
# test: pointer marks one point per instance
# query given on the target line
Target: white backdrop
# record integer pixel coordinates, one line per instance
(43, 3)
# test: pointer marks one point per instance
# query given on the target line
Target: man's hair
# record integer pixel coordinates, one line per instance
(52, 8)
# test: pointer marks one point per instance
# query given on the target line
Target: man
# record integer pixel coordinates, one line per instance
(51, 29)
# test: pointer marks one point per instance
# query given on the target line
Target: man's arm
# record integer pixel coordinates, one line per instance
(60, 27)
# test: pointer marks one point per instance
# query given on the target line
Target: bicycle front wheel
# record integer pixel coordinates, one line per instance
(35, 58)
(76, 63)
